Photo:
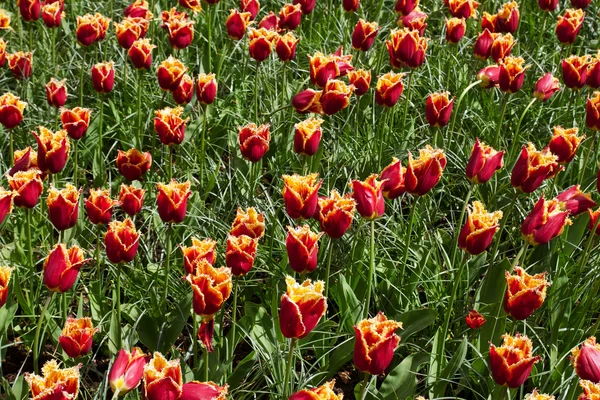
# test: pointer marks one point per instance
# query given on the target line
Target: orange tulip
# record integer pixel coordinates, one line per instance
(250, 223)
(5, 273)
(99, 206)
(501, 46)
(425, 172)
(140, 53)
(76, 337)
(375, 343)
(591, 390)
(512, 74)
(75, 121)
(4, 20)
(121, 241)
(535, 395)
(389, 89)
(20, 64)
(55, 383)
(564, 143)
(512, 362)
(524, 293)
(181, 32)
(574, 71)
(394, 176)
(128, 31)
(479, 230)
(24, 160)
(489, 22)
(335, 214)
(53, 149)
(133, 164)
(361, 80)
(206, 88)
(131, 199)
(240, 254)
(474, 320)
(335, 96)
(91, 28)
(169, 125)
(286, 47)
(462, 8)
(193, 5)
(438, 109)
(307, 136)
(162, 379)
(324, 392)
(199, 250)
(261, 42)
(533, 167)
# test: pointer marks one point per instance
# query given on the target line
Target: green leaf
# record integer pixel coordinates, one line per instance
(453, 365)
(401, 381)
(415, 321)
(489, 304)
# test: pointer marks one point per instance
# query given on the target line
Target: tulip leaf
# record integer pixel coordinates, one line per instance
(401, 381)
(347, 301)
(453, 365)
(7, 314)
(242, 370)
(415, 320)
(575, 234)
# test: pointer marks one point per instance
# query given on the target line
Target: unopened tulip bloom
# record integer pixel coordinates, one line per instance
(162, 379)
(254, 141)
(389, 89)
(121, 241)
(593, 72)
(592, 112)
(307, 136)
(580, 3)
(546, 221)
(508, 17)
(169, 125)
(545, 87)
(28, 185)
(131, 199)
(307, 6)
(6, 202)
(361, 80)
(335, 96)
(5, 273)
(488, 21)
(181, 32)
(63, 207)
(568, 25)
(140, 53)
(53, 149)
(20, 64)
(270, 22)
(462, 8)
(52, 13)
(91, 28)
(425, 172)
(524, 293)
(290, 16)
(574, 71)
(586, 360)
(482, 49)
(335, 214)
(169, 73)
(368, 195)
(172, 200)
(501, 47)
(489, 76)
(300, 195)
(199, 250)
(324, 392)
(260, 43)
(548, 5)
(203, 391)
(393, 177)
(308, 101)
(474, 320)
(185, 91)
(75, 121)
(512, 362)
(532, 168)
(237, 23)
(455, 29)
(576, 201)
(483, 163)
(302, 248)
(406, 47)
(375, 344)
(240, 254)
(61, 267)
(56, 92)
(302, 306)
(405, 7)
(11, 110)
(76, 337)
(133, 164)
(99, 206)
(479, 230)
(564, 143)
(126, 371)
(103, 76)
(512, 74)
(250, 223)
(364, 34)
(55, 383)
(206, 88)
(286, 47)
(350, 5)
(127, 32)
(322, 69)
(29, 9)
(438, 109)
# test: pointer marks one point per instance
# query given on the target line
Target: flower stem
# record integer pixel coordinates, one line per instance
(256, 93)
(234, 317)
(459, 225)
(167, 265)
(516, 138)
(195, 340)
(502, 225)
(83, 52)
(29, 248)
(203, 145)
(100, 124)
(367, 301)
(118, 306)
(328, 269)
(471, 86)
(11, 147)
(38, 330)
(407, 100)
(140, 133)
(65, 307)
(587, 157)
(365, 385)
(288, 368)
(411, 220)
(205, 364)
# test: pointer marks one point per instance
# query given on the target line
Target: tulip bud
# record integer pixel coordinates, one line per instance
(59, 383)
(546, 221)
(127, 32)
(28, 185)
(389, 89)
(11, 110)
(199, 250)
(483, 163)
(548, 5)
(203, 390)
(237, 23)
(29, 9)
(308, 101)
(254, 141)
(138, 9)
(545, 87)
(405, 7)
(172, 200)
(462, 8)
(162, 379)
(532, 168)
(512, 362)
(512, 74)
(438, 109)
(524, 293)
(580, 3)
(286, 47)
(474, 320)
(261, 42)
(4, 20)
(592, 112)
(364, 34)
(140, 53)
(169, 125)
(133, 164)
(350, 5)
(361, 80)
(455, 29)
(53, 149)
(56, 92)
(103, 77)
(63, 207)
(324, 392)
(206, 88)
(489, 76)
(131, 199)
(335, 214)
(564, 143)
(501, 47)
(302, 306)
(169, 73)
(489, 22)
(290, 16)
(61, 267)
(416, 21)
(335, 96)
(302, 248)
(99, 206)
(406, 47)
(126, 371)
(586, 360)
(75, 121)
(479, 230)
(576, 202)
(5, 273)
(185, 91)
(91, 28)
(181, 32)
(76, 337)
(300, 195)
(121, 241)
(240, 254)
(322, 69)
(568, 25)
(307, 136)
(53, 13)
(393, 177)
(249, 223)
(507, 20)
(375, 344)
(424, 173)
(20, 64)
(482, 49)
(369, 197)
(269, 22)
(6, 202)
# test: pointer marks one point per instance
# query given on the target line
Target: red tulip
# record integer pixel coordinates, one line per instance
(474, 320)
(438, 109)
(335, 96)
(103, 77)
(203, 391)
(140, 53)
(6, 202)
(389, 89)
(28, 185)
(512, 362)
(29, 9)
(576, 202)
(350, 5)
(61, 267)
(138, 9)
(24, 160)
(425, 172)
(2, 49)
(199, 250)
(5, 273)
(546, 221)
(169, 125)
(393, 177)
(56, 92)
(479, 230)
(128, 31)
(462, 8)
(11, 110)
(250, 223)
(335, 214)
(489, 76)
(206, 88)
(532, 168)
(91, 28)
(127, 370)
(593, 220)
(455, 29)
(591, 390)
(524, 293)
(307, 136)
(416, 21)
(593, 72)
(181, 32)
(121, 241)
(162, 379)
(261, 42)
(53, 149)
(172, 200)
(302, 306)
(508, 17)
(405, 7)
(369, 197)
(185, 91)
(290, 16)
(251, 6)
(302, 248)
(306, 5)
(564, 143)
(237, 23)
(99, 206)
(545, 87)
(592, 112)
(483, 163)
(569, 25)
(270, 22)
(482, 49)
(254, 141)
(512, 74)
(574, 71)
(133, 164)
(375, 344)
(20, 64)
(322, 69)
(308, 101)
(364, 34)
(489, 22)
(63, 206)
(169, 73)
(586, 360)
(286, 47)
(324, 392)
(75, 121)
(548, 5)
(131, 199)
(406, 47)
(580, 3)
(501, 47)
(300, 195)
(361, 80)
(53, 13)
(55, 383)
(240, 254)
(76, 337)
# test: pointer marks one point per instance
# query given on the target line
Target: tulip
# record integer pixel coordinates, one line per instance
(181, 32)
(324, 392)
(172, 14)
(52, 13)
(548, 5)
(574, 71)
(564, 143)
(103, 77)
(489, 22)
(24, 160)
(138, 9)
(240, 254)
(206, 88)
(63, 207)
(75, 121)
(483, 163)
(524, 293)
(140, 53)
(126, 371)
(55, 383)
(416, 21)
(512, 362)
(479, 230)
(501, 47)
(269, 22)
(393, 177)
(455, 29)
(591, 390)
(127, 32)
(508, 17)
(438, 109)
(375, 343)
(482, 49)
(56, 92)
(576, 201)
(4, 20)
(162, 379)
(2, 52)
(532, 168)
(489, 76)
(306, 5)
(406, 47)
(250, 223)
(405, 7)
(535, 395)
(203, 391)
(586, 360)
(28, 185)
(302, 306)
(237, 23)
(322, 69)
(254, 141)
(592, 112)
(169, 125)
(193, 5)
(512, 74)
(5, 273)
(169, 73)
(53, 149)
(121, 241)
(335, 96)
(335, 214)
(369, 197)
(593, 72)
(302, 248)
(29, 9)
(20, 64)
(364, 34)
(6, 202)
(290, 16)
(172, 200)
(199, 250)
(569, 25)
(580, 3)
(11, 110)
(546, 221)
(342, 61)
(185, 91)
(350, 5)
(545, 87)
(307, 136)
(131, 199)
(250, 6)
(389, 89)
(286, 47)
(425, 172)
(76, 337)
(91, 28)
(300, 195)
(308, 101)
(474, 320)
(261, 42)
(361, 80)
(462, 8)
(61, 267)
(133, 164)
(99, 206)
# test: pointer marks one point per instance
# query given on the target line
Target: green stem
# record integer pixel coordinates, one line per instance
(195, 340)
(516, 138)
(54, 50)
(170, 163)
(234, 317)
(38, 330)
(256, 93)
(455, 111)
(203, 145)
(587, 157)
(75, 166)
(209, 35)
(407, 100)
(167, 265)
(11, 147)
(365, 385)
(205, 364)
(100, 123)
(83, 52)
(118, 306)
(288, 368)
(367, 301)
(458, 226)
(411, 219)
(140, 133)
(502, 225)
(29, 248)
(500, 120)
(328, 269)
(65, 307)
